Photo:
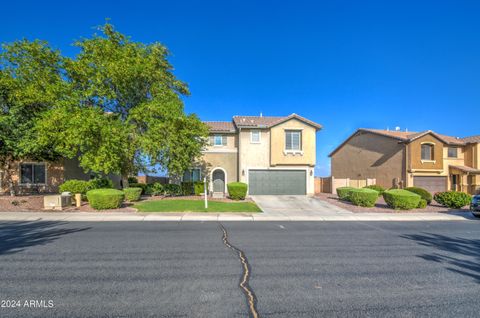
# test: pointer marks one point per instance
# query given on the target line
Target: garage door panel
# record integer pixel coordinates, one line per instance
(264, 182)
(431, 184)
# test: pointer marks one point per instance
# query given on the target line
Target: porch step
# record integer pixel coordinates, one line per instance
(218, 195)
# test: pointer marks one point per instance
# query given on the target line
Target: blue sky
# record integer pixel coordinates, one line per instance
(344, 64)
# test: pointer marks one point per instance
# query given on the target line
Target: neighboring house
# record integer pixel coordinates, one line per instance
(273, 155)
(403, 159)
(45, 177)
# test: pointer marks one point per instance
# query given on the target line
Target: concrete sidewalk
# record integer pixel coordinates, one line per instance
(177, 217)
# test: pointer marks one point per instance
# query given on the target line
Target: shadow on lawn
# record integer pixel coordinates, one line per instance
(459, 255)
(16, 236)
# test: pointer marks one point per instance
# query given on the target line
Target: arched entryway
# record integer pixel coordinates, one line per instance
(218, 180)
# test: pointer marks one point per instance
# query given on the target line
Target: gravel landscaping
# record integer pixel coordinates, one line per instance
(381, 206)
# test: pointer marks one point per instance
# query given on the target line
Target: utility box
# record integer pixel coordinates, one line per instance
(57, 202)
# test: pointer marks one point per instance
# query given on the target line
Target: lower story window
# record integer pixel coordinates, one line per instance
(34, 173)
(191, 175)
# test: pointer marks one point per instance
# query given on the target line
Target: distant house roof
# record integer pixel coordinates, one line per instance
(221, 126)
(409, 136)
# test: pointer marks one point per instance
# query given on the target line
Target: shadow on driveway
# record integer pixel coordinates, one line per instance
(16, 236)
(459, 255)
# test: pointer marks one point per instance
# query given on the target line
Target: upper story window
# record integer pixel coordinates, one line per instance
(293, 140)
(218, 140)
(255, 136)
(452, 152)
(33, 173)
(192, 175)
(427, 152)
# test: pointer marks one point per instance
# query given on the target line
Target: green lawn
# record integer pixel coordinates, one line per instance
(195, 206)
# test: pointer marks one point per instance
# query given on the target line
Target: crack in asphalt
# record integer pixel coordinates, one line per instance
(244, 279)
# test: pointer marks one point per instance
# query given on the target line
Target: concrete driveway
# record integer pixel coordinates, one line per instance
(295, 205)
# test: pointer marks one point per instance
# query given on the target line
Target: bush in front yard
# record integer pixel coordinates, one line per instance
(101, 183)
(237, 190)
(400, 199)
(75, 186)
(377, 188)
(343, 192)
(172, 189)
(363, 197)
(453, 199)
(155, 189)
(102, 199)
(142, 186)
(422, 204)
(427, 196)
(199, 188)
(132, 194)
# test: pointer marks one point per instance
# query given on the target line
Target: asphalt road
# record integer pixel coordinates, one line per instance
(297, 269)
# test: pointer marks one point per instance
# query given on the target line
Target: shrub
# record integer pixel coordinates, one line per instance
(363, 197)
(422, 204)
(102, 199)
(187, 188)
(400, 199)
(132, 180)
(237, 190)
(199, 188)
(75, 186)
(172, 189)
(452, 199)
(154, 189)
(427, 196)
(142, 186)
(377, 188)
(101, 183)
(343, 192)
(132, 194)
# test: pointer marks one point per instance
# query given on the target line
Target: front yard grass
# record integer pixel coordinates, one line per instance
(195, 206)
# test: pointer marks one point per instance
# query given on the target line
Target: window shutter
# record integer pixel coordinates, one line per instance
(211, 140)
(224, 140)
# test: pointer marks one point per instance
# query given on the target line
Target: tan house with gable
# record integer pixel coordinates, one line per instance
(273, 155)
(403, 159)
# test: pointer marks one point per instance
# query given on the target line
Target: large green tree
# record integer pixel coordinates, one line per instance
(31, 82)
(124, 110)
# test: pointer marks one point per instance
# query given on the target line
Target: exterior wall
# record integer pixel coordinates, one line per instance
(232, 142)
(277, 137)
(253, 155)
(54, 177)
(227, 161)
(368, 155)
(415, 154)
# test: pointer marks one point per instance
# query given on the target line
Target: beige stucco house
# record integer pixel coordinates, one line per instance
(402, 159)
(31, 177)
(273, 155)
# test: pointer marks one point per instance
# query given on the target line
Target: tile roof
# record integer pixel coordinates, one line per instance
(472, 139)
(466, 169)
(221, 126)
(269, 121)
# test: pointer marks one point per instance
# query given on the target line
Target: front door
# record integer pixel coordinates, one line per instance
(218, 178)
(454, 182)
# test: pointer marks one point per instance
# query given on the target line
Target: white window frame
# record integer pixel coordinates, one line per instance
(259, 136)
(33, 173)
(215, 140)
(299, 149)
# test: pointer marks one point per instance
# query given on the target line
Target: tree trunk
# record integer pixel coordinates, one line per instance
(124, 182)
(8, 178)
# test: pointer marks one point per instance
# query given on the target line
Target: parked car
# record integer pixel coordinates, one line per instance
(475, 205)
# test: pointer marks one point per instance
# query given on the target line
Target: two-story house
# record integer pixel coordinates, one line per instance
(273, 155)
(403, 159)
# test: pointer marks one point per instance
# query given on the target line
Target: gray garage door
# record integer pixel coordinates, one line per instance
(263, 182)
(432, 184)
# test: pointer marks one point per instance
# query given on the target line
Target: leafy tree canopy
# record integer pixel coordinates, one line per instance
(117, 106)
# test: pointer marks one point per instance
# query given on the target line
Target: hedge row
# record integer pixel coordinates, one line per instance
(453, 199)
(82, 186)
(400, 199)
